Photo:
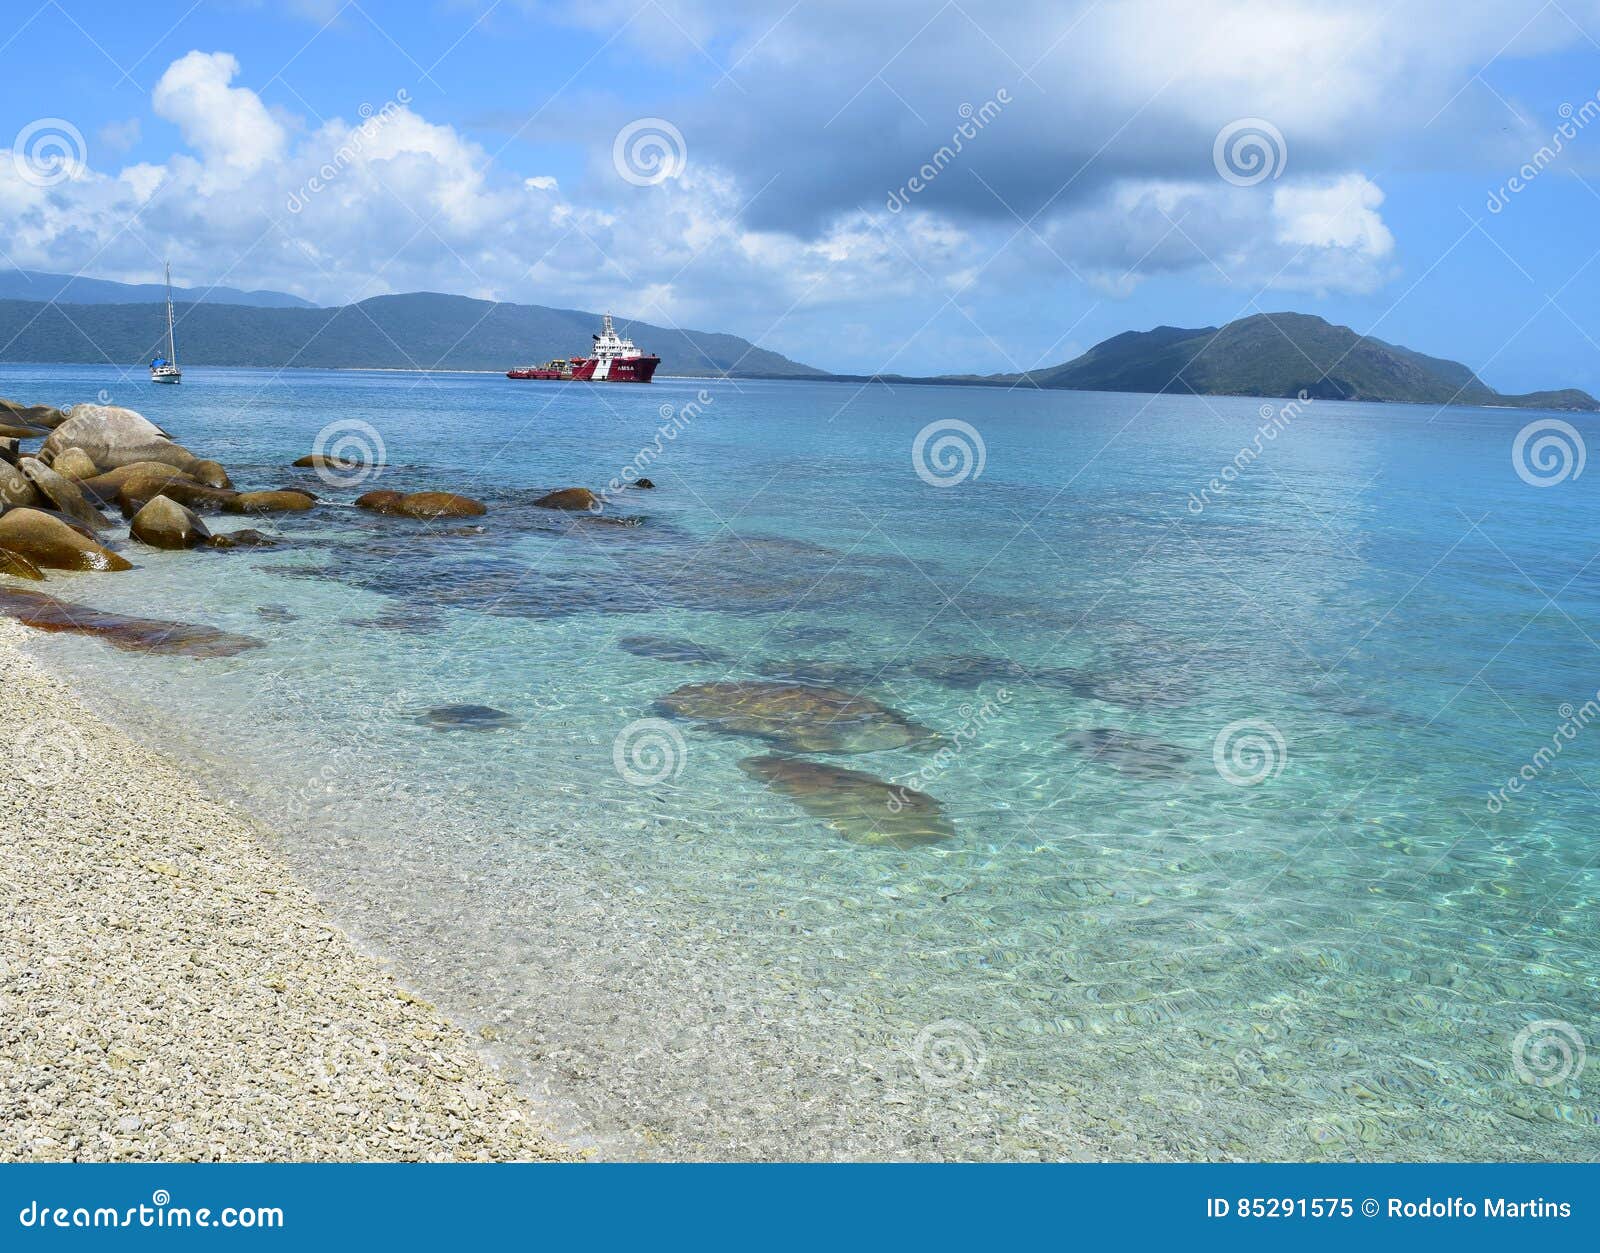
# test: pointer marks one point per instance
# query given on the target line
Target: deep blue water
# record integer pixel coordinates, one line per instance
(1222, 874)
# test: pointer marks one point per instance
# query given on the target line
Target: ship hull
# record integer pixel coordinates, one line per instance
(616, 370)
(595, 370)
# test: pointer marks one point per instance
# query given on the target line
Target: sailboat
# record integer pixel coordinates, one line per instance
(165, 369)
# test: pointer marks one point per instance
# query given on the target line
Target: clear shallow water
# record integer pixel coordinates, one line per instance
(1149, 961)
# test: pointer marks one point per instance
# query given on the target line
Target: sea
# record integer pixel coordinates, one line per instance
(920, 772)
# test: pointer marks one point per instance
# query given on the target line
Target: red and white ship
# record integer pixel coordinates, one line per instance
(615, 360)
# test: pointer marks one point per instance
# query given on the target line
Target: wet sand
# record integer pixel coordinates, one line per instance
(169, 993)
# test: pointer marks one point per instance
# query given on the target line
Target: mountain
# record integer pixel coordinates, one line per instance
(421, 330)
(1279, 354)
(70, 289)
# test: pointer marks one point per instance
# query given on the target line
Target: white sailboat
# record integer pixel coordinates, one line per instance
(165, 369)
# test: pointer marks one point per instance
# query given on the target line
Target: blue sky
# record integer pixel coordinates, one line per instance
(1089, 202)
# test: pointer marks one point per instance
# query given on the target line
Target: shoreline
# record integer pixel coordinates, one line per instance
(170, 992)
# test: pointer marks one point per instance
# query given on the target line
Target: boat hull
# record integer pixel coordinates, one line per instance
(596, 370)
(617, 369)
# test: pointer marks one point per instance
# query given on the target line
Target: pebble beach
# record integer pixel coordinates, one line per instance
(169, 993)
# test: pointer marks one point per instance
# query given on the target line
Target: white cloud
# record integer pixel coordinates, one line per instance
(228, 126)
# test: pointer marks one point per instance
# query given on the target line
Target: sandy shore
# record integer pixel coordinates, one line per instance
(167, 992)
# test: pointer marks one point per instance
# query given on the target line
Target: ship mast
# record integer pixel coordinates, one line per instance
(172, 350)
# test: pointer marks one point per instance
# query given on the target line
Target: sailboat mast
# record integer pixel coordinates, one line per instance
(172, 348)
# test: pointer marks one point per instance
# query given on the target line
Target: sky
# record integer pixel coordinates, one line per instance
(887, 187)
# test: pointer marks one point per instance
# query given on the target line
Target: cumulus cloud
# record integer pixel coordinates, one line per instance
(228, 126)
(1097, 170)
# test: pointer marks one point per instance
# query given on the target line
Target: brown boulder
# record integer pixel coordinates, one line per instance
(74, 463)
(62, 493)
(18, 566)
(380, 501)
(570, 498)
(136, 492)
(247, 538)
(31, 415)
(440, 505)
(13, 430)
(107, 485)
(114, 436)
(164, 523)
(320, 461)
(16, 489)
(52, 544)
(211, 475)
(270, 502)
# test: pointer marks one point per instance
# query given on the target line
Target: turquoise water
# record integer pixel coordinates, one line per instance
(1223, 874)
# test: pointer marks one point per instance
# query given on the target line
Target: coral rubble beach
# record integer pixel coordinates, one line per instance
(168, 993)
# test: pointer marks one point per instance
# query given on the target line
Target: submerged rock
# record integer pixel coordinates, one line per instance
(812, 670)
(644, 483)
(861, 807)
(142, 635)
(320, 461)
(571, 498)
(52, 544)
(164, 523)
(664, 648)
(379, 501)
(247, 538)
(63, 494)
(1128, 752)
(1134, 689)
(466, 718)
(284, 501)
(968, 672)
(813, 634)
(800, 717)
(421, 505)
(440, 505)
